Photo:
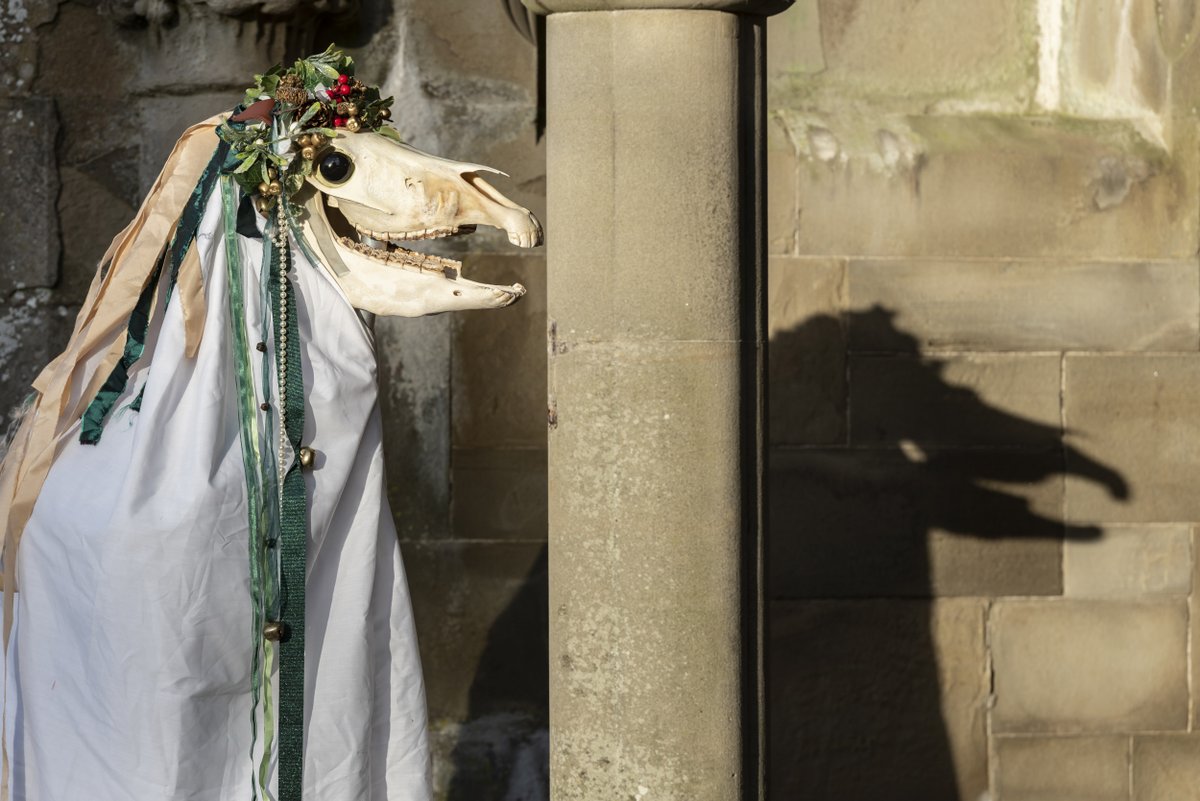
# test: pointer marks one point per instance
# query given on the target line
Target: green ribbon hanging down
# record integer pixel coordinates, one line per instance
(294, 530)
(114, 385)
(278, 536)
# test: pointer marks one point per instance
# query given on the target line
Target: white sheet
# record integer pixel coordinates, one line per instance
(128, 673)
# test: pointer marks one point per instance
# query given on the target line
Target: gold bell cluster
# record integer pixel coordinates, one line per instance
(268, 190)
(310, 145)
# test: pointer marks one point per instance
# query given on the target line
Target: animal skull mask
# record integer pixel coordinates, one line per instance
(369, 196)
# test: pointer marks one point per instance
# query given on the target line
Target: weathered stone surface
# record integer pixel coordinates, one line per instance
(887, 523)
(498, 395)
(164, 119)
(807, 375)
(783, 213)
(1062, 768)
(794, 41)
(499, 494)
(28, 195)
(96, 202)
(34, 328)
(1075, 666)
(973, 399)
(1130, 561)
(877, 699)
(1134, 413)
(481, 621)
(636, 275)
(167, 11)
(84, 65)
(949, 52)
(1165, 768)
(414, 381)
(1080, 190)
(1116, 60)
(1194, 618)
(1025, 305)
(643, 478)
(230, 50)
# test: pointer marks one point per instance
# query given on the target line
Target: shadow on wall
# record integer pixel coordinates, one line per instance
(503, 748)
(925, 492)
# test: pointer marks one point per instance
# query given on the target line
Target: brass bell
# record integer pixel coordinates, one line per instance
(385, 113)
(352, 125)
(275, 188)
(352, 109)
(307, 456)
(308, 153)
(264, 188)
(274, 630)
(262, 204)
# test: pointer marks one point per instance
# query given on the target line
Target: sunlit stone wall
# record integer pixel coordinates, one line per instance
(985, 316)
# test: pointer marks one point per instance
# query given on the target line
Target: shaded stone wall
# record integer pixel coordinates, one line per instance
(985, 316)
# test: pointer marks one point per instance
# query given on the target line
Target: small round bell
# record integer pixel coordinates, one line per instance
(308, 153)
(352, 125)
(275, 188)
(274, 630)
(385, 113)
(307, 457)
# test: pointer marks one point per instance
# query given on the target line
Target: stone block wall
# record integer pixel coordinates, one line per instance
(985, 352)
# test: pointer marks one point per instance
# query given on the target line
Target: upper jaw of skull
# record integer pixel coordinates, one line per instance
(395, 193)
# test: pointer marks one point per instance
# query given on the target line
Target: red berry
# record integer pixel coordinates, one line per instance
(344, 90)
(343, 79)
(338, 122)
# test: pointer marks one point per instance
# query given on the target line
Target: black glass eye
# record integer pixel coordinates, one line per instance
(335, 167)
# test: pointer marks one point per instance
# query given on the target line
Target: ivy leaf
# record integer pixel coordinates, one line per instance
(251, 158)
(310, 113)
(390, 133)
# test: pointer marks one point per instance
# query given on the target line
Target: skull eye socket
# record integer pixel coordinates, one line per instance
(335, 167)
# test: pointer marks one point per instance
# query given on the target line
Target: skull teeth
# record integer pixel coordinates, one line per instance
(401, 257)
(424, 233)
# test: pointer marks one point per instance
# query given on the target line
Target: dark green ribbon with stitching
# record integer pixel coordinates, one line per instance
(135, 343)
(294, 535)
(139, 321)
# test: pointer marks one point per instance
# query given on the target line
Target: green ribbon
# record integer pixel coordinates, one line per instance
(101, 405)
(252, 459)
(294, 541)
(135, 343)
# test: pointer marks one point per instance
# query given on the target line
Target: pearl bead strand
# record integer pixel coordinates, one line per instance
(280, 240)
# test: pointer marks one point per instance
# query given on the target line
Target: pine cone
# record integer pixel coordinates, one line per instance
(291, 90)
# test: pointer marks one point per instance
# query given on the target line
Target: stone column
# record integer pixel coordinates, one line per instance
(655, 304)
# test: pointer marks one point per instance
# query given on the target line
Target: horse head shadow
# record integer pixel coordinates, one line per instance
(892, 485)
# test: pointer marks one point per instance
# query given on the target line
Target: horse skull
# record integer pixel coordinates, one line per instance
(393, 194)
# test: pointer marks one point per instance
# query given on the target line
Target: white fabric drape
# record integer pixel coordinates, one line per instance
(128, 672)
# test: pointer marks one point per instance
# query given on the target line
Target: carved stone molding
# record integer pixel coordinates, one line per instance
(163, 11)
